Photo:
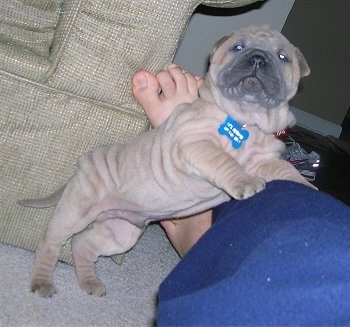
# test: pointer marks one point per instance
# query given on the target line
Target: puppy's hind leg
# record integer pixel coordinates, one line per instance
(105, 237)
(67, 220)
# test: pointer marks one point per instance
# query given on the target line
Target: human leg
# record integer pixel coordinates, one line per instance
(184, 233)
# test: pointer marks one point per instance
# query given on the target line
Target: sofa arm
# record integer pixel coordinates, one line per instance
(228, 3)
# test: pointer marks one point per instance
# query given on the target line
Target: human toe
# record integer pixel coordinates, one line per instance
(145, 88)
(167, 84)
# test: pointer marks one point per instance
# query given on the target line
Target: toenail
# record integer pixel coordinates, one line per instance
(141, 81)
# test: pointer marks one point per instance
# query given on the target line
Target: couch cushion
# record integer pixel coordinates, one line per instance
(26, 33)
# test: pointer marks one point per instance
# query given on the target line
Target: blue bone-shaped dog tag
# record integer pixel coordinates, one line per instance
(234, 132)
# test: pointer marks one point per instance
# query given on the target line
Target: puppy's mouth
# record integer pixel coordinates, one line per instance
(252, 85)
(253, 77)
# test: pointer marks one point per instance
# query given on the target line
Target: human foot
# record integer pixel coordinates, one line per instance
(160, 94)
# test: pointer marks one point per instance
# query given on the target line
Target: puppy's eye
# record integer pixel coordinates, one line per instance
(238, 47)
(283, 57)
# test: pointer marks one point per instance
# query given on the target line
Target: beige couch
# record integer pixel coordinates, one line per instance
(65, 68)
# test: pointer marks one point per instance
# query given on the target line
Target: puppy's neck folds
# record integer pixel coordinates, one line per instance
(268, 120)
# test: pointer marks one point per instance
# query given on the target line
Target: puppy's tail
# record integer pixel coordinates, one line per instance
(47, 202)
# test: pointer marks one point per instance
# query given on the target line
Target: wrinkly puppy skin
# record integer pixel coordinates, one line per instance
(185, 166)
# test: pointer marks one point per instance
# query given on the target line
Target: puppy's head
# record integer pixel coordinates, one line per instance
(257, 67)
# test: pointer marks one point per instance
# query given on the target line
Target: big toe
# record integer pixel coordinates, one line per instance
(145, 89)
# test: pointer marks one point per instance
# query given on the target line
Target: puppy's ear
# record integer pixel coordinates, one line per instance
(218, 45)
(304, 67)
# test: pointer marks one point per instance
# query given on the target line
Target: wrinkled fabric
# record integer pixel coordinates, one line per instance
(280, 257)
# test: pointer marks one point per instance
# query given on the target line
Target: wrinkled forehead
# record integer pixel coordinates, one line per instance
(262, 38)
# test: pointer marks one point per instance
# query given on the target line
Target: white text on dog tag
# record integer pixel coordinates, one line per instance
(234, 131)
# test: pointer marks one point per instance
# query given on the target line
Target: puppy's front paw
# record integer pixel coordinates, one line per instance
(247, 187)
(44, 289)
(93, 287)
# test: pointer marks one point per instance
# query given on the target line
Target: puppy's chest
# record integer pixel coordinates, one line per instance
(245, 142)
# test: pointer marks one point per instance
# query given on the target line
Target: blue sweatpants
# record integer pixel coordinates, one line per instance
(281, 257)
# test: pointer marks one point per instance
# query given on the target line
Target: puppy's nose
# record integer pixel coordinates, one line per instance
(257, 62)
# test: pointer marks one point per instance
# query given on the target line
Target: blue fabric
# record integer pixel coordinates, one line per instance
(281, 257)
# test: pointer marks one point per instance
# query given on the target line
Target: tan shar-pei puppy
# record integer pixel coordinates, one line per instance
(221, 146)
